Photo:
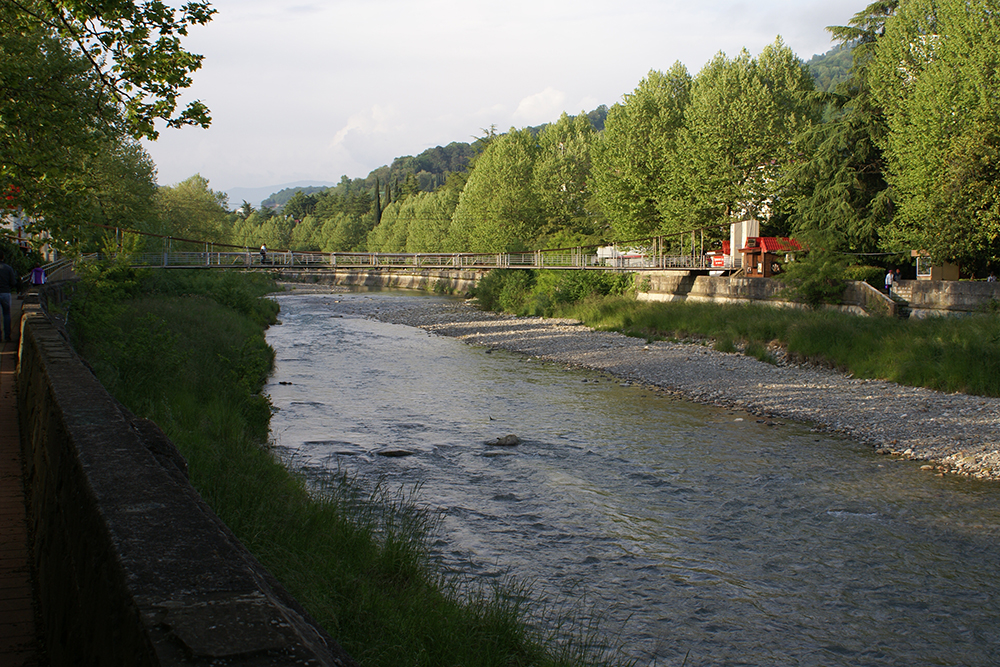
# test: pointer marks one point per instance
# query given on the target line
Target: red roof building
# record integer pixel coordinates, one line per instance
(763, 256)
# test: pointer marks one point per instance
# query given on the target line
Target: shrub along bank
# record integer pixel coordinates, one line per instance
(952, 354)
(187, 350)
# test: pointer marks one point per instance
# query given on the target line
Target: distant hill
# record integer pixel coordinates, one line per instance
(427, 171)
(257, 195)
(280, 198)
(832, 67)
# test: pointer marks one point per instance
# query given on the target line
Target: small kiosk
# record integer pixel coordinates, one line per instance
(764, 255)
(926, 270)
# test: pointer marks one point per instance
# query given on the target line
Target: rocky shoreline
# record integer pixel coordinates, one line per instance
(952, 433)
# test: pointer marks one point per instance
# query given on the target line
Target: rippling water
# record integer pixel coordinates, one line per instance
(694, 531)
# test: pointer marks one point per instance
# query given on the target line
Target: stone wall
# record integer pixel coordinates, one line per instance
(858, 298)
(926, 298)
(937, 297)
(133, 568)
(430, 280)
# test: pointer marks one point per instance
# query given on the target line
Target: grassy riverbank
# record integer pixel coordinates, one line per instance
(951, 354)
(187, 350)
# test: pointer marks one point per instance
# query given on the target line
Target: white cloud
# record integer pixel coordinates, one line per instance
(541, 107)
(364, 126)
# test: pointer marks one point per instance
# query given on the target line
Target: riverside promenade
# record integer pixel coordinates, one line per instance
(20, 644)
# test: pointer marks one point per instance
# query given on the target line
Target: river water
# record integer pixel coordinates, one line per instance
(700, 536)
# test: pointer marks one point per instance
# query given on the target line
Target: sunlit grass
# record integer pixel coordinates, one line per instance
(952, 354)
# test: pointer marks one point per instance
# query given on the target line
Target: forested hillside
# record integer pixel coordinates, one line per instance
(832, 68)
(889, 142)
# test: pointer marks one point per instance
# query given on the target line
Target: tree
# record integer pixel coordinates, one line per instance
(498, 210)
(634, 174)
(433, 212)
(344, 233)
(300, 205)
(121, 187)
(192, 210)
(245, 209)
(78, 82)
(51, 119)
(936, 73)
(739, 127)
(561, 176)
(305, 234)
(390, 234)
(840, 198)
(133, 51)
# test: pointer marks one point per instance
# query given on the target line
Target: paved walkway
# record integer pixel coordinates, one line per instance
(20, 644)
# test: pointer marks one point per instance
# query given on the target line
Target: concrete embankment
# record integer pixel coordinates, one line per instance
(132, 566)
(431, 280)
(926, 298)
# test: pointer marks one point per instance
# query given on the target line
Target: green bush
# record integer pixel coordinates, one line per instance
(505, 290)
(873, 275)
(817, 278)
(531, 292)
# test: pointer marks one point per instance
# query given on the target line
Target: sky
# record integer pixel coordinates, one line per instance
(311, 91)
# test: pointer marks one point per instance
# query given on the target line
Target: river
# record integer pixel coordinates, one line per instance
(698, 535)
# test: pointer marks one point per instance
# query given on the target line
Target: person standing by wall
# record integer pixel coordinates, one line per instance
(8, 282)
(888, 282)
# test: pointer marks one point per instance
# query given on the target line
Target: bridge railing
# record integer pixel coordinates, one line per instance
(584, 258)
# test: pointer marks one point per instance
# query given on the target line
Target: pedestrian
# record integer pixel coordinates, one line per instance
(888, 282)
(896, 278)
(263, 253)
(8, 282)
(992, 278)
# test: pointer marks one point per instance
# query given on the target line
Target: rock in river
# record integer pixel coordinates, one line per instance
(505, 441)
(393, 453)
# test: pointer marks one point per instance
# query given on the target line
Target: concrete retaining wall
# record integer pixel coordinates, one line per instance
(926, 298)
(675, 286)
(133, 568)
(431, 280)
(937, 297)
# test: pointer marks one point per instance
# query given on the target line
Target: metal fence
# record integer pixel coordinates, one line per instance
(582, 258)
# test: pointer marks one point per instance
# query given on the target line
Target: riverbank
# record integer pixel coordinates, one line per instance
(952, 433)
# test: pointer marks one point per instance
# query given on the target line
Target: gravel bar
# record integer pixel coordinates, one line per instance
(953, 433)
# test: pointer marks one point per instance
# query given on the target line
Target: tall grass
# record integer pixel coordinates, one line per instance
(187, 350)
(952, 354)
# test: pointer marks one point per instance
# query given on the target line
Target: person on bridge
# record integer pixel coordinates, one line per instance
(263, 253)
(8, 281)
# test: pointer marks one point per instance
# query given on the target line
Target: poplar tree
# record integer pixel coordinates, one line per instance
(635, 176)
(738, 131)
(561, 177)
(498, 210)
